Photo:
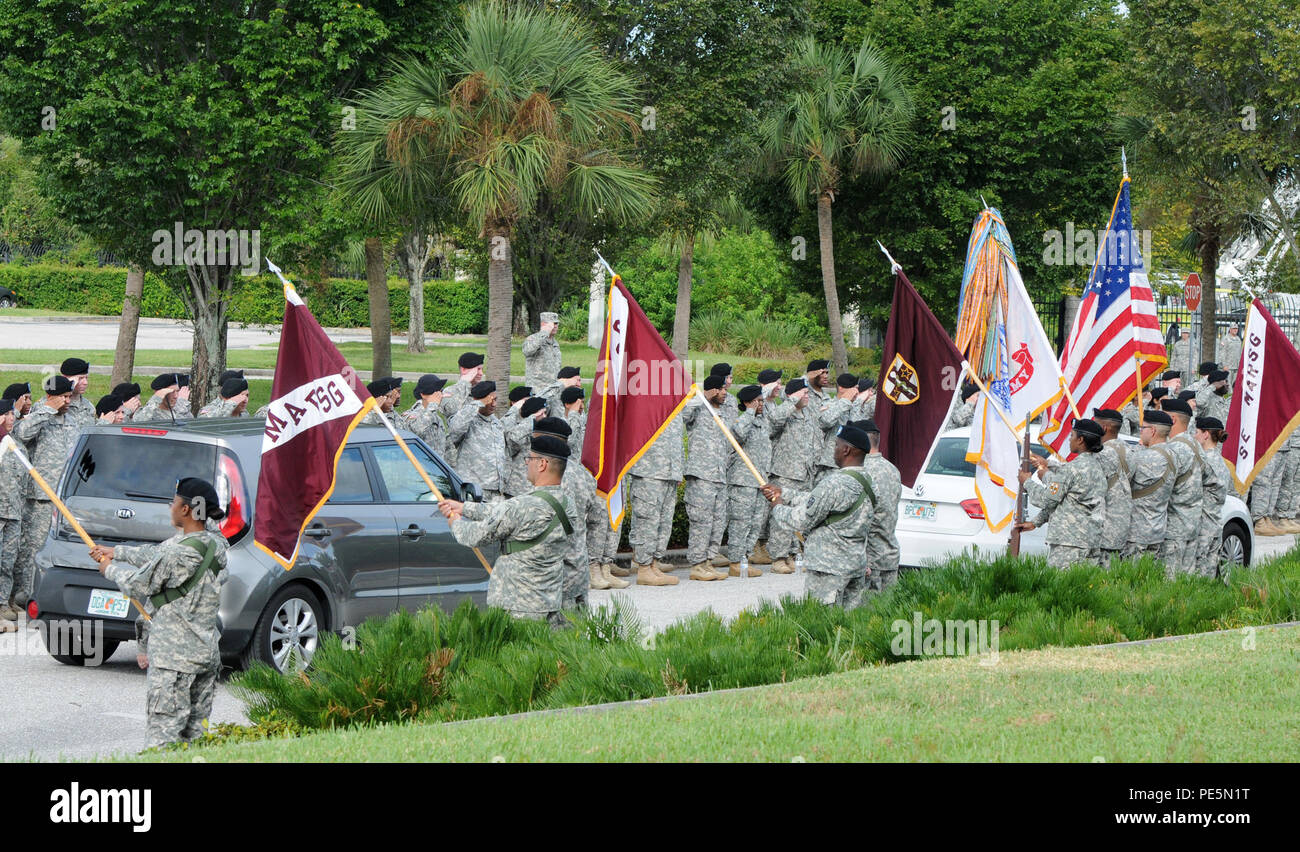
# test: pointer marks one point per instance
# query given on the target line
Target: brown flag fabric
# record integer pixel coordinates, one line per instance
(316, 402)
(1265, 406)
(920, 372)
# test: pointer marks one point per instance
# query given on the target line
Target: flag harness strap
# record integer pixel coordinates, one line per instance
(559, 518)
(1155, 486)
(1122, 455)
(836, 517)
(209, 553)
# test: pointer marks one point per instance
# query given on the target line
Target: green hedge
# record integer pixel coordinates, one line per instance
(449, 307)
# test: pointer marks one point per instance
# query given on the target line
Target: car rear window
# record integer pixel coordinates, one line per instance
(949, 457)
(138, 467)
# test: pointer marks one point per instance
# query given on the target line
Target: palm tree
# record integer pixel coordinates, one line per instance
(682, 235)
(529, 104)
(843, 115)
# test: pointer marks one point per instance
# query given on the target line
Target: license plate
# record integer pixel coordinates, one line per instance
(108, 603)
(920, 511)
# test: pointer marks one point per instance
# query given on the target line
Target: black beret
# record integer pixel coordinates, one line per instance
(723, 369)
(482, 389)
(378, 387)
(126, 390)
(1209, 423)
(166, 380)
(530, 407)
(428, 384)
(568, 396)
(553, 426)
(817, 364)
(1186, 395)
(233, 387)
(183, 379)
(749, 393)
(854, 436)
(795, 385)
(17, 389)
(1158, 417)
(568, 373)
(520, 392)
(1087, 427)
(1159, 393)
(57, 385)
(714, 382)
(108, 404)
(1176, 406)
(469, 359)
(866, 384)
(867, 425)
(1207, 367)
(766, 377)
(1107, 414)
(1218, 376)
(228, 375)
(199, 492)
(74, 367)
(6, 405)
(968, 388)
(1169, 375)
(549, 445)
(846, 380)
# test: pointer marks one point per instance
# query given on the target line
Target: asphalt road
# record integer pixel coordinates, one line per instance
(50, 711)
(37, 332)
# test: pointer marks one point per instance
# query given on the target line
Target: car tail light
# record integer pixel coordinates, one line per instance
(136, 430)
(973, 509)
(230, 489)
(33, 611)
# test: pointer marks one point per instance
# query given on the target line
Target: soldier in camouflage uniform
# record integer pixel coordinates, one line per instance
(1114, 464)
(20, 394)
(769, 381)
(528, 578)
(79, 411)
(1072, 496)
(652, 490)
(49, 438)
(833, 414)
(1285, 515)
(964, 412)
(1229, 354)
(708, 454)
(817, 378)
(164, 404)
(864, 404)
(1132, 424)
(571, 401)
(577, 575)
(752, 432)
(387, 392)
(882, 543)
(479, 438)
(567, 377)
(601, 540)
(836, 518)
(1202, 377)
(1212, 399)
(1151, 468)
(517, 427)
(542, 353)
(795, 437)
(425, 417)
(231, 402)
(1215, 482)
(179, 581)
(13, 485)
(109, 411)
(471, 373)
(1185, 502)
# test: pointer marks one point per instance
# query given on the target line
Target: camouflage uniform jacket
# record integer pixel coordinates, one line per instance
(794, 432)
(1114, 463)
(1151, 470)
(1185, 501)
(153, 410)
(753, 435)
(1210, 404)
(13, 486)
(962, 415)
(708, 452)
(836, 547)
(372, 418)
(455, 397)
(1216, 481)
(577, 431)
(480, 448)
(830, 417)
(430, 424)
(1229, 353)
(1073, 497)
(541, 359)
(183, 634)
(551, 393)
(882, 544)
(49, 438)
(220, 408)
(864, 407)
(517, 430)
(80, 412)
(530, 582)
(665, 458)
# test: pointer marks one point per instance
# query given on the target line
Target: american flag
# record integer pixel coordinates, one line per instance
(1116, 334)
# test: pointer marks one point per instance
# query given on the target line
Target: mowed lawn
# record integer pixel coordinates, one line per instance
(1221, 697)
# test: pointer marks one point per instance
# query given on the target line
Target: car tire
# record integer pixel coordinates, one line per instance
(75, 656)
(294, 618)
(1235, 546)
(6, 302)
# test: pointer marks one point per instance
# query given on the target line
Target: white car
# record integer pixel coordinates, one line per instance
(939, 517)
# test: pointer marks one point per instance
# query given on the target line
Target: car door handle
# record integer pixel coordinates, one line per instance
(317, 532)
(413, 532)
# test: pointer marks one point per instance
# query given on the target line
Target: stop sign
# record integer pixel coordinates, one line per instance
(1192, 291)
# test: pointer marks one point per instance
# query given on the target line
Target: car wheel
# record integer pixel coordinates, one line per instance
(1235, 549)
(6, 302)
(290, 625)
(74, 654)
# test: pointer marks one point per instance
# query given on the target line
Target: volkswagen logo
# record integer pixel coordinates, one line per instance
(919, 490)
(126, 514)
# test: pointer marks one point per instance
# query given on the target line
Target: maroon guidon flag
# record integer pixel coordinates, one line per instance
(920, 374)
(1265, 406)
(640, 387)
(316, 402)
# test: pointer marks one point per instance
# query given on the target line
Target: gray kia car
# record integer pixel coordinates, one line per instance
(378, 545)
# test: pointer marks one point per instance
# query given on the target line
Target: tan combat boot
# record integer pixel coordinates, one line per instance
(9, 612)
(598, 580)
(614, 582)
(784, 565)
(617, 570)
(646, 575)
(734, 571)
(1265, 526)
(663, 567)
(702, 571)
(1289, 526)
(760, 556)
(720, 561)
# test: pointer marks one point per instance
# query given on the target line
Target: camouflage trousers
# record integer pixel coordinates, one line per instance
(1267, 487)
(1062, 556)
(706, 508)
(602, 541)
(36, 526)
(780, 539)
(846, 592)
(10, 536)
(1134, 550)
(575, 599)
(1178, 551)
(653, 501)
(744, 512)
(577, 579)
(1208, 543)
(1288, 496)
(881, 578)
(178, 705)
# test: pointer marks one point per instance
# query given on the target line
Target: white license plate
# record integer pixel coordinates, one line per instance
(108, 603)
(920, 511)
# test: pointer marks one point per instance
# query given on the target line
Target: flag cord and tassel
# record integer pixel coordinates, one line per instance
(985, 390)
(12, 446)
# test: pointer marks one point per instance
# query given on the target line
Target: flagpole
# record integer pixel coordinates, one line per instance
(984, 389)
(730, 437)
(1074, 406)
(9, 444)
(1137, 362)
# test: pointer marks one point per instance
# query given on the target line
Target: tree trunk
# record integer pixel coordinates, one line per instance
(124, 357)
(381, 319)
(413, 244)
(682, 321)
(839, 354)
(208, 296)
(500, 313)
(1209, 251)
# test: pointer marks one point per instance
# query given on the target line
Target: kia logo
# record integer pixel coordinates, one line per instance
(126, 514)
